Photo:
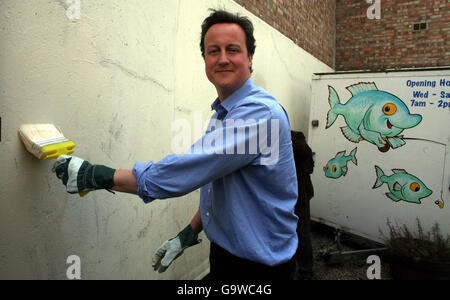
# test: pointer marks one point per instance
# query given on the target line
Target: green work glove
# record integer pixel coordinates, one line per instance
(78, 175)
(173, 248)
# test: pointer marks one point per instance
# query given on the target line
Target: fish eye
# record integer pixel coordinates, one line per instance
(333, 168)
(415, 187)
(389, 109)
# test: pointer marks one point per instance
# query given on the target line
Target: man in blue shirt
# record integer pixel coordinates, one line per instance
(243, 165)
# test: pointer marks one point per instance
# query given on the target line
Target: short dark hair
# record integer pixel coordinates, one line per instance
(222, 16)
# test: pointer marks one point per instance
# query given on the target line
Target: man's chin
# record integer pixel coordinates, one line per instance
(224, 84)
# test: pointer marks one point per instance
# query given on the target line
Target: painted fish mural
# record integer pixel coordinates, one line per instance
(402, 186)
(337, 166)
(372, 115)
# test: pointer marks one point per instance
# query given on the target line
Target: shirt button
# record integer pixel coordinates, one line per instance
(207, 213)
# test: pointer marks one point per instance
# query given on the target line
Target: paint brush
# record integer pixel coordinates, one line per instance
(45, 141)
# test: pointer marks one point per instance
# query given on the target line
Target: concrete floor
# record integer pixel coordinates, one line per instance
(352, 267)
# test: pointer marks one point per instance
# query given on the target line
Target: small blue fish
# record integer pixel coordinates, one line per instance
(337, 166)
(402, 186)
(372, 115)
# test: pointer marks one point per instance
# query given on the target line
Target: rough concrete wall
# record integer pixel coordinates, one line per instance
(114, 80)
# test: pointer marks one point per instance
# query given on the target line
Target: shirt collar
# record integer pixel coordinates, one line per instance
(234, 98)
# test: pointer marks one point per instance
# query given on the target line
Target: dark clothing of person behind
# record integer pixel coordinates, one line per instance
(304, 164)
(226, 266)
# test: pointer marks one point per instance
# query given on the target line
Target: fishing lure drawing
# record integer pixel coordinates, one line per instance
(402, 186)
(439, 203)
(337, 166)
(375, 116)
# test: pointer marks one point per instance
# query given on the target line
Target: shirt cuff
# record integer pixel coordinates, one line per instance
(138, 170)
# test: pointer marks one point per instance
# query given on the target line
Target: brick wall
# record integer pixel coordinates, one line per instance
(339, 33)
(308, 23)
(391, 41)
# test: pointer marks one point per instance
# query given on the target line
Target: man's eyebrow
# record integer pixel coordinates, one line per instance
(228, 45)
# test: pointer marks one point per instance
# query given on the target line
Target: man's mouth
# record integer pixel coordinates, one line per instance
(223, 71)
(389, 125)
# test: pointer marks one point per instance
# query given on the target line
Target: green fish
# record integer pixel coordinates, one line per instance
(402, 186)
(372, 115)
(337, 166)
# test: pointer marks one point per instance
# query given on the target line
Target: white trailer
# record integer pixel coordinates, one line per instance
(381, 143)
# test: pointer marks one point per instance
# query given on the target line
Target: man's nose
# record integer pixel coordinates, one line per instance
(223, 58)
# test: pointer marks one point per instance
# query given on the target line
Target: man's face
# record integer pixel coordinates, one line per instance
(226, 60)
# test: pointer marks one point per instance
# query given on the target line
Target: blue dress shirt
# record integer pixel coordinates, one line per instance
(245, 168)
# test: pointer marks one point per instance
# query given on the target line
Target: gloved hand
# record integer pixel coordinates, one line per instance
(173, 248)
(79, 175)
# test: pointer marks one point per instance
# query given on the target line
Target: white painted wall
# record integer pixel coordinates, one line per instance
(114, 80)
